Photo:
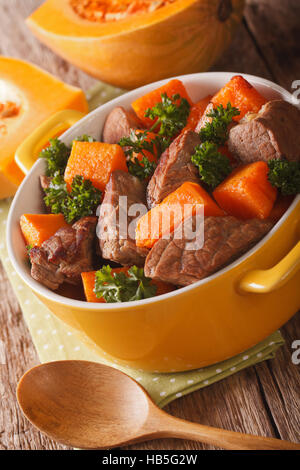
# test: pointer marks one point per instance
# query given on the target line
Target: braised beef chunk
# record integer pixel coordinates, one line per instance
(174, 168)
(273, 133)
(118, 124)
(225, 239)
(65, 255)
(115, 245)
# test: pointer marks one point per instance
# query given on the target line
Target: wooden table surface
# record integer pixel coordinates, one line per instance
(261, 400)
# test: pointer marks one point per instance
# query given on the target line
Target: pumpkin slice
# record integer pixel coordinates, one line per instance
(7, 188)
(137, 45)
(28, 96)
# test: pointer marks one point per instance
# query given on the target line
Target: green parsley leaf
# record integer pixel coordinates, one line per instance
(56, 155)
(170, 114)
(83, 200)
(285, 176)
(141, 169)
(213, 166)
(80, 202)
(140, 143)
(84, 138)
(216, 131)
(56, 195)
(120, 287)
(28, 249)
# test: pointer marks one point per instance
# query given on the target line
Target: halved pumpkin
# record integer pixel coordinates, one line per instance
(140, 45)
(28, 96)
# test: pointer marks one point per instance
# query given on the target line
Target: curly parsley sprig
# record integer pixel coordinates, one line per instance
(28, 250)
(216, 131)
(213, 166)
(142, 143)
(142, 169)
(84, 138)
(170, 114)
(81, 201)
(285, 176)
(57, 154)
(121, 287)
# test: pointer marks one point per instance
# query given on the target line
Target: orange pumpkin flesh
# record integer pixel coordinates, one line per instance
(36, 228)
(28, 96)
(94, 161)
(247, 192)
(115, 10)
(185, 36)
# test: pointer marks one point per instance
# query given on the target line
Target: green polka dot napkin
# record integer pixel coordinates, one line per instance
(54, 341)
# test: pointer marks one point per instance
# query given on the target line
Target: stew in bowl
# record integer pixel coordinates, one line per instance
(161, 320)
(172, 192)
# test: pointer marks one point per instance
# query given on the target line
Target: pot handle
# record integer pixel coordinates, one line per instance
(27, 153)
(263, 281)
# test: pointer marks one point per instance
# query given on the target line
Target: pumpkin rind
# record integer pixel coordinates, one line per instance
(184, 37)
(39, 95)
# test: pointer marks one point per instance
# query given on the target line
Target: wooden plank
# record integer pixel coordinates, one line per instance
(280, 380)
(15, 431)
(242, 56)
(275, 25)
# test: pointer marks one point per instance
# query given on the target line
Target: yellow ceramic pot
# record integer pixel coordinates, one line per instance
(192, 327)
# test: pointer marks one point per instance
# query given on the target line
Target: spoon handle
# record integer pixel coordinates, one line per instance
(179, 428)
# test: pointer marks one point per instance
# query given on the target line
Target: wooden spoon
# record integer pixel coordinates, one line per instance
(91, 406)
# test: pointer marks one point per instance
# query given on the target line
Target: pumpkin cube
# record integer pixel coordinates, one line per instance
(95, 161)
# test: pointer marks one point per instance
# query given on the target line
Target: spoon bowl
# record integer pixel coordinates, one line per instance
(92, 406)
(75, 400)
